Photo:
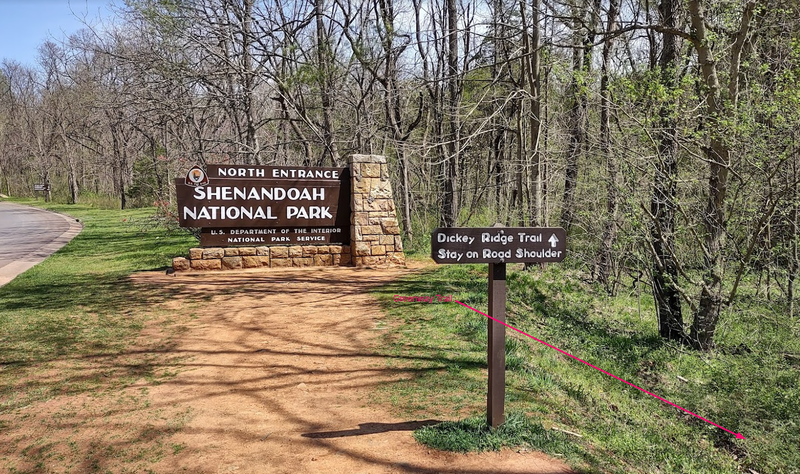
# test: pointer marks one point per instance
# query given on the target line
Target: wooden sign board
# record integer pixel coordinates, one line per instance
(41, 187)
(498, 244)
(267, 205)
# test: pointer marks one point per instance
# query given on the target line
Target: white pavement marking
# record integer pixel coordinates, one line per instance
(22, 263)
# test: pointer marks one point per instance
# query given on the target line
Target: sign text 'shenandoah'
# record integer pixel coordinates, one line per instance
(249, 203)
(259, 193)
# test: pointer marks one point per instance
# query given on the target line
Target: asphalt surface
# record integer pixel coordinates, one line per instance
(28, 236)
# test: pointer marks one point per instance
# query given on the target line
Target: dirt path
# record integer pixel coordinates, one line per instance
(280, 377)
(255, 372)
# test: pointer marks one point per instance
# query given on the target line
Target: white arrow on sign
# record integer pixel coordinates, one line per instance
(553, 240)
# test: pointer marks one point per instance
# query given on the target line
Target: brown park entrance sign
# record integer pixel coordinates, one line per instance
(498, 246)
(263, 205)
(290, 216)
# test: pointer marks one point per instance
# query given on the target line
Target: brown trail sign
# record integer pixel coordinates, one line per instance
(498, 246)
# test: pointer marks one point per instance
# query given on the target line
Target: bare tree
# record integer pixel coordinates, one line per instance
(663, 201)
(612, 205)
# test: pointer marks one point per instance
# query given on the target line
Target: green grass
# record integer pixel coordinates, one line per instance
(66, 327)
(79, 301)
(747, 385)
(473, 434)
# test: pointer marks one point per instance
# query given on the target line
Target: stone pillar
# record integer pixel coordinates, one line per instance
(374, 232)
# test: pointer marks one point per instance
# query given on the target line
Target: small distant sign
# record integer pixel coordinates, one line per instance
(498, 244)
(41, 188)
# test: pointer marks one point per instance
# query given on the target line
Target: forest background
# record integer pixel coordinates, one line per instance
(661, 135)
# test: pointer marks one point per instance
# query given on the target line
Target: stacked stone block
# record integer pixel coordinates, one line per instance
(374, 230)
(236, 258)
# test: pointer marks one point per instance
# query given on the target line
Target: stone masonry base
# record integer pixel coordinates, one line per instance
(235, 258)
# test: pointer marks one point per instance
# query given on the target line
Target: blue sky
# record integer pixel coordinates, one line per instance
(25, 24)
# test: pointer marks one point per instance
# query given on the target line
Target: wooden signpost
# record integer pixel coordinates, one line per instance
(498, 246)
(41, 188)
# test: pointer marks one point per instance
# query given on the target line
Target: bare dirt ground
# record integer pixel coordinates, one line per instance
(274, 372)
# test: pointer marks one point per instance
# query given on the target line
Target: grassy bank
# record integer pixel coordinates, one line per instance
(750, 384)
(66, 326)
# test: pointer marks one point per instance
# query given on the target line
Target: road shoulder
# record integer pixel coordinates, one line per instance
(10, 271)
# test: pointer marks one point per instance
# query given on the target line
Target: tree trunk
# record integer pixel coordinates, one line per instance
(497, 152)
(533, 66)
(393, 109)
(156, 172)
(73, 181)
(325, 56)
(578, 115)
(48, 195)
(544, 165)
(718, 155)
(577, 137)
(663, 202)
(496, 171)
(251, 139)
(453, 147)
(518, 202)
(406, 193)
(5, 178)
(610, 232)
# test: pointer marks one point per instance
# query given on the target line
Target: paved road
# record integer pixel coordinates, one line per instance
(28, 236)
